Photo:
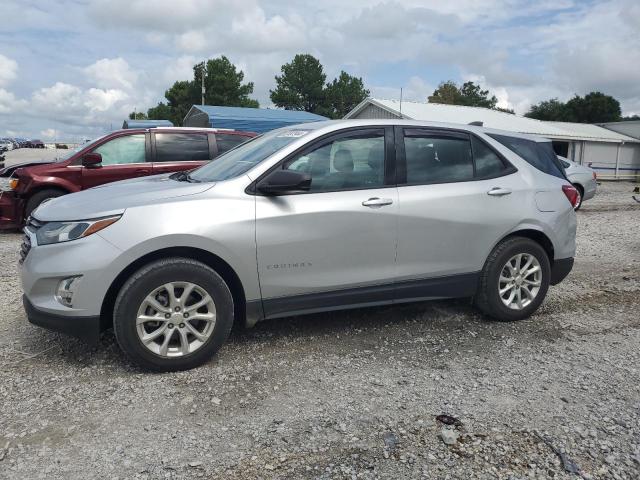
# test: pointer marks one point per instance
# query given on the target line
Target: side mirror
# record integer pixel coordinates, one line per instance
(91, 160)
(285, 181)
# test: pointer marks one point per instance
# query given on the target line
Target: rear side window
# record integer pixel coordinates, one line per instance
(181, 147)
(538, 154)
(488, 163)
(435, 159)
(226, 141)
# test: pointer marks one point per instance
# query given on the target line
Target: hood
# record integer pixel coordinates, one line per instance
(114, 198)
(8, 171)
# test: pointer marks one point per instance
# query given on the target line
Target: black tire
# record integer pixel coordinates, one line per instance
(581, 192)
(37, 198)
(152, 276)
(488, 298)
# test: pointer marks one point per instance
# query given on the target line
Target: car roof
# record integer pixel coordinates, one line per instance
(330, 125)
(184, 129)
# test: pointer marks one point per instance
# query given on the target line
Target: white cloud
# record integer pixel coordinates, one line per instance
(9, 103)
(48, 133)
(8, 70)
(112, 73)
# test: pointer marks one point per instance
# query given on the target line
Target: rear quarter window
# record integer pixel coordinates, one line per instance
(538, 154)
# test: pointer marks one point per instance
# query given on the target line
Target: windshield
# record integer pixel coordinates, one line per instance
(73, 151)
(244, 157)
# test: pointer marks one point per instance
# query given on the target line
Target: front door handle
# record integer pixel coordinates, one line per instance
(142, 171)
(377, 202)
(498, 192)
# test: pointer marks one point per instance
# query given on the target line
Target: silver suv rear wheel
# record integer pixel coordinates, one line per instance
(520, 281)
(514, 280)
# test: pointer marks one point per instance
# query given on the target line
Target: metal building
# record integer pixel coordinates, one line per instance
(610, 153)
(631, 128)
(248, 119)
(146, 123)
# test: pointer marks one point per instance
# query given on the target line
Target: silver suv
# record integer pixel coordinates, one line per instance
(316, 217)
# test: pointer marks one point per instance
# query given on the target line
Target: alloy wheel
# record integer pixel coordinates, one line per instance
(176, 319)
(520, 281)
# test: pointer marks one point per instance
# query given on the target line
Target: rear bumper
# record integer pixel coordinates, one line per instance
(590, 190)
(84, 328)
(10, 208)
(560, 269)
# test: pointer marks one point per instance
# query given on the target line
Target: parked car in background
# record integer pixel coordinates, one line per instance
(35, 143)
(313, 217)
(119, 155)
(6, 144)
(581, 177)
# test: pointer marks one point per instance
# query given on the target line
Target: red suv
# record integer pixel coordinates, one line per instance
(116, 156)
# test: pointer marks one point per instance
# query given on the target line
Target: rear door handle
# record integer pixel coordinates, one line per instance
(498, 192)
(377, 202)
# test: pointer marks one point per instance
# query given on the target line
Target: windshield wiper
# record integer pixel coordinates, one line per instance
(183, 177)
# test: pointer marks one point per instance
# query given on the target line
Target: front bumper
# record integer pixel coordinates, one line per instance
(10, 211)
(84, 328)
(560, 269)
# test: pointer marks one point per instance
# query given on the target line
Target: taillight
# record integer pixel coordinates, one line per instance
(572, 194)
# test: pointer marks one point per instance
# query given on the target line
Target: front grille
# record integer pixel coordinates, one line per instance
(32, 227)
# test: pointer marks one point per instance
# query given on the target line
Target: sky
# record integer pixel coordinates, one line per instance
(73, 69)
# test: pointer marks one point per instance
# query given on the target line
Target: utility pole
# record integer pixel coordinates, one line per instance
(202, 78)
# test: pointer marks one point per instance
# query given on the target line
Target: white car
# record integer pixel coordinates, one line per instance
(581, 177)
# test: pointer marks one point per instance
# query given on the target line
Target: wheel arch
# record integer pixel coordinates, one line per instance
(537, 236)
(221, 267)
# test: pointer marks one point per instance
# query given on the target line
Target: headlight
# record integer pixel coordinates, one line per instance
(8, 184)
(56, 232)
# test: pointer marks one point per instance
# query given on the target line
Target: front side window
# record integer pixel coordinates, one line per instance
(437, 159)
(346, 163)
(181, 147)
(123, 150)
(227, 141)
(538, 154)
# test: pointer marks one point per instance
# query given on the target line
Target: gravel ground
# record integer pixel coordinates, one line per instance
(352, 394)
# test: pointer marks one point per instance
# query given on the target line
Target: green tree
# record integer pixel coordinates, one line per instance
(223, 84)
(469, 94)
(551, 110)
(342, 95)
(595, 107)
(162, 111)
(180, 97)
(137, 116)
(301, 85)
(447, 93)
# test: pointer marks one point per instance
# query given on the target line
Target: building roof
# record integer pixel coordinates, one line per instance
(252, 119)
(146, 123)
(438, 112)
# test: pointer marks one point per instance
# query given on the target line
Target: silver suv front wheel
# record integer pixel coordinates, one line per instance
(173, 314)
(176, 319)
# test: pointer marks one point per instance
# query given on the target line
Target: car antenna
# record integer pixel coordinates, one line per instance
(477, 123)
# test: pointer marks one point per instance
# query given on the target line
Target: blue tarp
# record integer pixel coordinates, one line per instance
(146, 123)
(248, 119)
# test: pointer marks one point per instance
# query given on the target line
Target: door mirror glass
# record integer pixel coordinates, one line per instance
(285, 181)
(92, 160)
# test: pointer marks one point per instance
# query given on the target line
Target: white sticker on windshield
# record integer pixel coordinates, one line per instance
(293, 133)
